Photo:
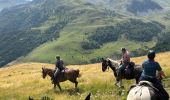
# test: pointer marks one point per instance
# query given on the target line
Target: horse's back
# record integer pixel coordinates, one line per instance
(138, 70)
(139, 93)
(72, 73)
(143, 91)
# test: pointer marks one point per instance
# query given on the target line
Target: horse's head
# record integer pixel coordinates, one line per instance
(44, 72)
(104, 64)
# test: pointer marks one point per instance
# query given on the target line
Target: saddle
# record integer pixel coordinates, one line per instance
(149, 84)
(129, 70)
(144, 83)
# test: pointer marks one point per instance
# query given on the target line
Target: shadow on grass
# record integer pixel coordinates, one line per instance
(71, 91)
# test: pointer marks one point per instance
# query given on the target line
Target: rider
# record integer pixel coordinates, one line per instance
(59, 67)
(124, 61)
(149, 73)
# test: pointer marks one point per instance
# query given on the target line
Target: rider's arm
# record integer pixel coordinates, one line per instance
(56, 65)
(162, 74)
(62, 63)
(160, 71)
(143, 64)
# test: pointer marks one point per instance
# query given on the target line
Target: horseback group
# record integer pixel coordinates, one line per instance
(149, 75)
(145, 75)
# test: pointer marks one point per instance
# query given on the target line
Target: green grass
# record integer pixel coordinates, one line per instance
(101, 86)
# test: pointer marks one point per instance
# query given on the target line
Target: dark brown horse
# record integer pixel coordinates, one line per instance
(114, 65)
(68, 74)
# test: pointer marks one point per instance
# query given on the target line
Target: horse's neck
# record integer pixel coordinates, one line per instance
(114, 62)
(50, 72)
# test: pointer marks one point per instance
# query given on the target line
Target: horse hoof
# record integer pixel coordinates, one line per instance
(116, 84)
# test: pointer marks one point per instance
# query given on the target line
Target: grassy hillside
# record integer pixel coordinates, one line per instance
(81, 31)
(68, 45)
(23, 80)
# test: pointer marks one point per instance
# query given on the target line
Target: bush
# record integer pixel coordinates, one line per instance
(163, 43)
(90, 45)
(133, 29)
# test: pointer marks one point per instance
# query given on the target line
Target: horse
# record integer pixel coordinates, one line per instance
(114, 65)
(144, 91)
(68, 74)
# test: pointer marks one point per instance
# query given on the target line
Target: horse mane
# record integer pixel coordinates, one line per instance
(48, 69)
(114, 62)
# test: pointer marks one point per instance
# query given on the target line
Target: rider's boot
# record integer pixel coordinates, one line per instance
(52, 79)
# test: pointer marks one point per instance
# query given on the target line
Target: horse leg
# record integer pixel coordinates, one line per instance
(121, 86)
(74, 81)
(116, 83)
(59, 86)
(54, 86)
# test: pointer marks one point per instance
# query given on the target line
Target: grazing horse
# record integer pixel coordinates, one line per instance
(144, 91)
(114, 66)
(68, 74)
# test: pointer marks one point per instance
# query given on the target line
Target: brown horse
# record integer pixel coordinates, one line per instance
(68, 74)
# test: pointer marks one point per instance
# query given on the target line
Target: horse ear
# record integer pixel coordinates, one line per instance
(102, 59)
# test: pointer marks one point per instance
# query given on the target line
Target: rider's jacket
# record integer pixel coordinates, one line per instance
(59, 65)
(150, 68)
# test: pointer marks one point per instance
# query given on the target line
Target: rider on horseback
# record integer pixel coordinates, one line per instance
(149, 73)
(124, 62)
(59, 67)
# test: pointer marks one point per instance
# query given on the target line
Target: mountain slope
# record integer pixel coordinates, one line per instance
(23, 80)
(26, 35)
(74, 29)
(10, 3)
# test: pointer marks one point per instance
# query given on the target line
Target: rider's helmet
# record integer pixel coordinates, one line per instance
(151, 54)
(57, 57)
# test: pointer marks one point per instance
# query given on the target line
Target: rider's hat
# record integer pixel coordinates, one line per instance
(123, 49)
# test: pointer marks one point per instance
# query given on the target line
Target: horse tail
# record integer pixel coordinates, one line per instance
(78, 73)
